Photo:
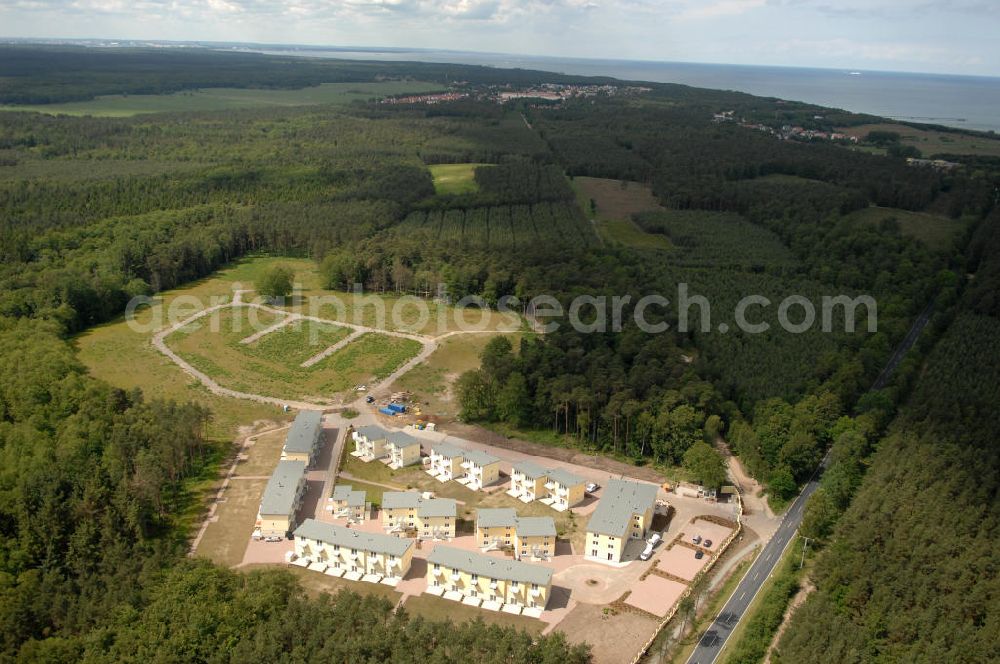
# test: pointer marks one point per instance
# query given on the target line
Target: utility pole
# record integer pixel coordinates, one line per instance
(805, 543)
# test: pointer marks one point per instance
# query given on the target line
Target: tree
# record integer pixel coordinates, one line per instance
(514, 401)
(781, 483)
(275, 282)
(475, 396)
(706, 464)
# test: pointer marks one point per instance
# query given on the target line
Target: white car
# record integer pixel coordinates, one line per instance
(592, 487)
(647, 553)
(655, 539)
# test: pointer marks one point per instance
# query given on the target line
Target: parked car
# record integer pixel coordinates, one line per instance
(696, 539)
(647, 553)
(707, 544)
(655, 539)
(273, 538)
(699, 554)
(369, 399)
(592, 487)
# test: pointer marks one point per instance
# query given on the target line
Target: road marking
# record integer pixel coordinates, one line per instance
(743, 595)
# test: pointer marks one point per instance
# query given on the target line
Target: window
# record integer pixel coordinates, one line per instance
(475, 578)
(609, 556)
(594, 553)
(437, 567)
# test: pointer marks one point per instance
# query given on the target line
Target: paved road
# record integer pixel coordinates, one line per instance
(712, 641)
(904, 347)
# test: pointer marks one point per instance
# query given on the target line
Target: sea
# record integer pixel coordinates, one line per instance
(967, 102)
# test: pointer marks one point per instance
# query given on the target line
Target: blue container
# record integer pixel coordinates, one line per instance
(387, 411)
(397, 408)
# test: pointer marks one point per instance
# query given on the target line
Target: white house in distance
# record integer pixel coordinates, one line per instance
(353, 554)
(481, 470)
(370, 443)
(526, 536)
(624, 512)
(488, 581)
(446, 462)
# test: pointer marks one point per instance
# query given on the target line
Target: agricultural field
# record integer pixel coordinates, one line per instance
(222, 99)
(452, 179)
(212, 345)
(936, 231)
(931, 142)
(617, 202)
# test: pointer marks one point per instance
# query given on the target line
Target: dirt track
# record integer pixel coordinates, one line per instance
(485, 437)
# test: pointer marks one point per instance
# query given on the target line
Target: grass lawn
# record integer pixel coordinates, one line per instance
(431, 382)
(438, 609)
(617, 201)
(262, 455)
(937, 232)
(225, 539)
(405, 313)
(568, 526)
(221, 99)
(931, 142)
(453, 179)
(213, 346)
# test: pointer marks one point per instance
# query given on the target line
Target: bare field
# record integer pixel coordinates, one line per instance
(225, 539)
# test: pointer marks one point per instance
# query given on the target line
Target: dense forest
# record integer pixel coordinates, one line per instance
(96, 210)
(909, 573)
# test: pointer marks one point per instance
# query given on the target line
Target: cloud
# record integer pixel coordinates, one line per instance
(720, 8)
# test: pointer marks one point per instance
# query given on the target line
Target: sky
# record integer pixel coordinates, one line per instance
(936, 36)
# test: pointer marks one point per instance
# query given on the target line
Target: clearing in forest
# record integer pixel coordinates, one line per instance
(612, 204)
(936, 231)
(455, 178)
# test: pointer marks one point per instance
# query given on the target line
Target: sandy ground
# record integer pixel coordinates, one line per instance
(655, 594)
(680, 561)
(613, 638)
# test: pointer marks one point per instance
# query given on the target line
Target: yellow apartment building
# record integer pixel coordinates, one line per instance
(488, 581)
(527, 481)
(446, 462)
(347, 503)
(351, 553)
(279, 506)
(303, 440)
(370, 443)
(565, 490)
(429, 518)
(624, 512)
(481, 470)
(526, 536)
(403, 449)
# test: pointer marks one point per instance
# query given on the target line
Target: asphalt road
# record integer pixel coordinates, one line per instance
(718, 632)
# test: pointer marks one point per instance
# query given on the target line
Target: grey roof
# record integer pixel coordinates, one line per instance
(401, 439)
(489, 566)
(396, 499)
(564, 477)
(526, 526)
(304, 434)
(530, 469)
(353, 538)
(347, 493)
(429, 507)
(447, 450)
(536, 526)
(480, 458)
(373, 432)
(437, 507)
(499, 516)
(281, 491)
(620, 501)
